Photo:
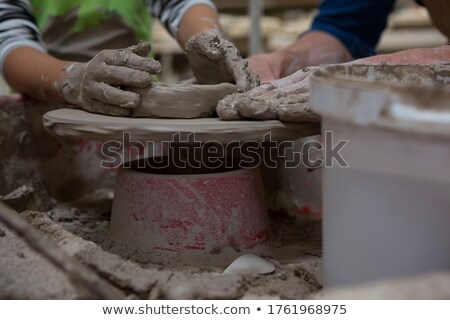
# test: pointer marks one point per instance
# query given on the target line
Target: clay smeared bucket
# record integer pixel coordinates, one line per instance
(189, 210)
(387, 214)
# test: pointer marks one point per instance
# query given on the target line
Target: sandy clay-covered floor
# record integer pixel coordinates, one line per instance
(295, 249)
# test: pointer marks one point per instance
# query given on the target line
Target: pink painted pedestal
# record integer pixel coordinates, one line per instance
(190, 212)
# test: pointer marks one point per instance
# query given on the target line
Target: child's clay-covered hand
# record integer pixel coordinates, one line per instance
(286, 99)
(97, 85)
(215, 60)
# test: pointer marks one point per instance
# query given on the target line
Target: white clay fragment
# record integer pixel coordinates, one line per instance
(250, 264)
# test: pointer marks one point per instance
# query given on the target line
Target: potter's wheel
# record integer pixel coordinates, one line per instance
(82, 124)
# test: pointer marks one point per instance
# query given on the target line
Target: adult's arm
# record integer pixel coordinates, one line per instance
(357, 24)
(342, 30)
(269, 100)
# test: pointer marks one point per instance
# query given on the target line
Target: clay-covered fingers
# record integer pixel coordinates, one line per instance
(295, 88)
(97, 85)
(110, 95)
(297, 83)
(257, 109)
(215, 60)
(243, 76)
(96, 106)
(292, 109)
(204, 53)
(261, 90)
(286, 99)
(129, 59)
(208, 44)
(142, 48)
(226, 108)
(242, 106)
(126, 67)
(297, 112)
(282, 106)
(122, 76)
(296, 77)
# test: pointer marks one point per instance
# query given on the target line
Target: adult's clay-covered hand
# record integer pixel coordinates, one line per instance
(286, 99)
(97, 85)
(215, 60)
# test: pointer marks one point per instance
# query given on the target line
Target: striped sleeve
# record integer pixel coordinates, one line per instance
(170, 12)
(17, 28)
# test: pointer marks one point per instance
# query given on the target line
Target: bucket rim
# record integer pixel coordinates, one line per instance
(338, 92)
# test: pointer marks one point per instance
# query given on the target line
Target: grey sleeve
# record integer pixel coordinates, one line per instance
(17, 28)
(170, 12)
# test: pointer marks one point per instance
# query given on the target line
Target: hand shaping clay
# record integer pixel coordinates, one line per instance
(216, 60)
(96, 85)
(282, 106)
(285, 99)
(226, 108)
(182, 101)
(288, 107)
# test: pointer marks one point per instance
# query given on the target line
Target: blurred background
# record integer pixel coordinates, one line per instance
(266, 25)
(281, 21)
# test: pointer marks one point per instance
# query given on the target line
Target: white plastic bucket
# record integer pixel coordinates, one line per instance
(387, 214)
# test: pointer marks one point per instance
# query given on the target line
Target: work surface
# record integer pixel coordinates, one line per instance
(82, 124)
